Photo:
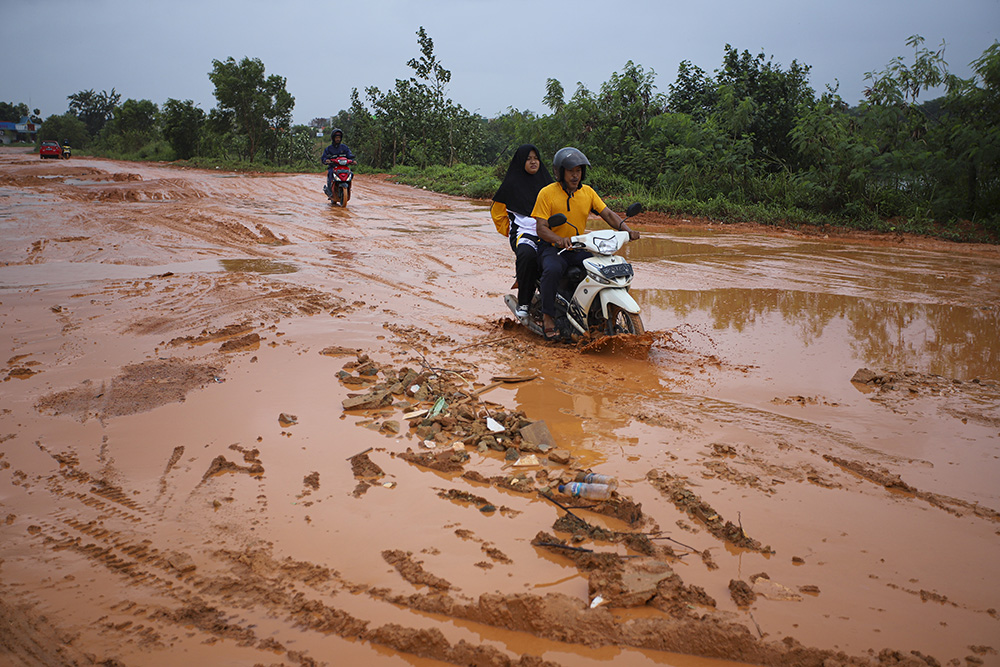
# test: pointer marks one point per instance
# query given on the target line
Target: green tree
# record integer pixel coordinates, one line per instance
(553, 95)
(970, 135)
(257, 107)
(65, 127)
(693, 92)
(414, 122)
(182, 126)
(428, 67)
(93, 108)
(12, 113)
(774, 97)
(134, 125)
(625, 106)
(137, 116)
(837, 152)
(295, 146)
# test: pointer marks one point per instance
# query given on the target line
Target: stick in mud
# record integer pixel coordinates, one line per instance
(560, 505)
(563, 546)
(482, 342)
(359, 454)
(676, 542)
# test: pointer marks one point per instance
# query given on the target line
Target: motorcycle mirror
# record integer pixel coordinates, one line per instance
(634, 209)
(556, 220)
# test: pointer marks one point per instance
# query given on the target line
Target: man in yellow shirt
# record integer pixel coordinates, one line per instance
(569, 196)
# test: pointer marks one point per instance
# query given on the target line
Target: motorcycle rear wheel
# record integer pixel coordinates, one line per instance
(621, 321)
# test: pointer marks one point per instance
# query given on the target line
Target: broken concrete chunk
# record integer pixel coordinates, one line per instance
(864, 376)
(561, 456)
(537, 434)
(369, 401)
(181, 562)
(338, 351)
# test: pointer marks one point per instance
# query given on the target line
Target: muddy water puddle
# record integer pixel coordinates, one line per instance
(64, 273)
(177, 466)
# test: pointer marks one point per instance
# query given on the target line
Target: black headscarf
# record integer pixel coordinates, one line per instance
(519, 188)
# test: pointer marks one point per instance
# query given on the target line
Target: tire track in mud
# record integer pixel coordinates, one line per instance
(214, 605)
(251, 581)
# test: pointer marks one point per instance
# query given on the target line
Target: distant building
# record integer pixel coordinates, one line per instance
(23, 130)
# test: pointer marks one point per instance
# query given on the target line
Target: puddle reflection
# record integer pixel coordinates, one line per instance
(784, 298)
(954, 341)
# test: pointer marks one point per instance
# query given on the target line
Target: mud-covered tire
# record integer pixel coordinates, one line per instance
(621, 321)
(343, 197)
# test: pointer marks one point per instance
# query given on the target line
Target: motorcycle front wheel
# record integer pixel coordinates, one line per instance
(621, 321)
(343, 197)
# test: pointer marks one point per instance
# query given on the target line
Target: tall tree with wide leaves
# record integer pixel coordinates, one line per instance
(259, 106)
(414, 122)
(93, 108)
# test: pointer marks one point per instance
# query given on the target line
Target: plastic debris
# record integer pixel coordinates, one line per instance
(440, 405)
(524, 461)
(494, 425)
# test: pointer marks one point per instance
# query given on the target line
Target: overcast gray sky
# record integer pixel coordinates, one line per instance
(499, 53)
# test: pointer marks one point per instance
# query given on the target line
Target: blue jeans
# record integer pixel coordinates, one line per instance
(554, 267)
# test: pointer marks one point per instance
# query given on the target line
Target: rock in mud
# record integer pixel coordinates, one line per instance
(864, 376)
(312, 480)
(181, 562)
(248, 342)
(362, 466)
(560, 456)
(741, 593)
(369, 401)
(537, 434)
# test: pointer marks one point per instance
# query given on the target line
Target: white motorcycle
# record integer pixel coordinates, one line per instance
(594, 298)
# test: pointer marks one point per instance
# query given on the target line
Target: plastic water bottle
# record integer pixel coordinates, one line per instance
(582, 490)
(594, 478)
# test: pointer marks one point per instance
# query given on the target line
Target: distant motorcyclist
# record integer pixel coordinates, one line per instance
(337, 148)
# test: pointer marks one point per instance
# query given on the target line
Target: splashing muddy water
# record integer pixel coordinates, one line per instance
(216, 443)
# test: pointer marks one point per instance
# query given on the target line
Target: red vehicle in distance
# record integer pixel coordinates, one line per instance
(50, 149)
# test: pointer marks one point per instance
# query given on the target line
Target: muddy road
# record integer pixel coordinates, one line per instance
(241, 427)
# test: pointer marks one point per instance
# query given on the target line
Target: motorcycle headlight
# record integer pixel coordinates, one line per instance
(606, 246)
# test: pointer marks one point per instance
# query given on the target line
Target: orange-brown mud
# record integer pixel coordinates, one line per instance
(240, 426)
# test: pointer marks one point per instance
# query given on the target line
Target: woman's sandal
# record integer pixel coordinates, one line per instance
(551, 333)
